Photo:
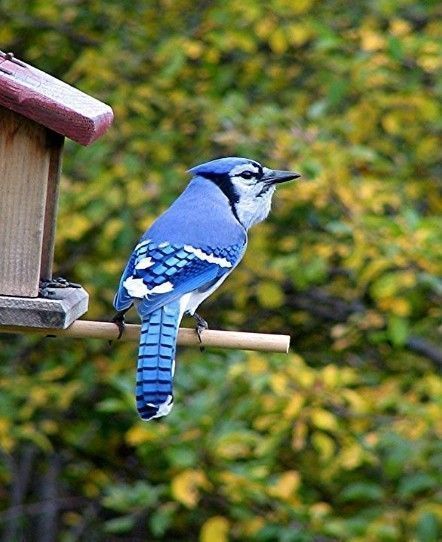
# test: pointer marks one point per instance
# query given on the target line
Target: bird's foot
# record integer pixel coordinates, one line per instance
(201, 325)
(47, 287)
(120, 322)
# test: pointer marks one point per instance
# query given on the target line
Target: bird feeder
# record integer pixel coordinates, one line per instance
(37, 112)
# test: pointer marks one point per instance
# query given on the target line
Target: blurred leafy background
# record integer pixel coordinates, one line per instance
(341, 439)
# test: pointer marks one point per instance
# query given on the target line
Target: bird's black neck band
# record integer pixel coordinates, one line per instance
(224, 183)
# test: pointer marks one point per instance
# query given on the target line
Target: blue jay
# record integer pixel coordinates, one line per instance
(183, 257)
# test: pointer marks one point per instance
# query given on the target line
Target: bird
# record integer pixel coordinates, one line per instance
(183, 257)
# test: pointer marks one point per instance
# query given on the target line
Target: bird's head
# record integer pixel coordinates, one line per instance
(247, 184)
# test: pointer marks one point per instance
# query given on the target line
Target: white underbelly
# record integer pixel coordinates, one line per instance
(191, 301)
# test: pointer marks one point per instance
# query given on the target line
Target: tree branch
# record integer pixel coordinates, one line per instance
(425, 348)
(329, 308)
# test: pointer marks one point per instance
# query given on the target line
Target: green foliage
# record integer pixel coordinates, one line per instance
(338, 441)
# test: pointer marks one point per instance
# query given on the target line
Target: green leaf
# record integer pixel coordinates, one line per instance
(397, 329)
(412, 484)
(111, 405)
(161, 519)
(428, 529)
(362, 491)
(395, 48)
(125, 497)
(120, 525)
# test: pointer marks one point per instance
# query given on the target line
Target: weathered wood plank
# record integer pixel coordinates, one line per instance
(55, 144)
(59, 312)
(24, 166)
(52, 103)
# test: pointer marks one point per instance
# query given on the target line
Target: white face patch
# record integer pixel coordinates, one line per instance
(253, 205)
(137, 288)
(222, 262)
(145, 263)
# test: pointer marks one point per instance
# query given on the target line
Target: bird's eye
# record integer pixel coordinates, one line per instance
(246, 174)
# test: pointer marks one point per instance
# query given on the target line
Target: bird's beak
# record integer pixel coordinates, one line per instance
(276, 176)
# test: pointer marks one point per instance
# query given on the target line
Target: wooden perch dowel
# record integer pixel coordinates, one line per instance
(83, 329)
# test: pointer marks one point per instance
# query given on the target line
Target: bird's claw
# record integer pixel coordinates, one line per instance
(120, 322)
(47, 287)
(201, 325)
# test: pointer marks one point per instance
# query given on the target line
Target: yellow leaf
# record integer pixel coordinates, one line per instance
(300, 6)
(138, 434)
(70, 390)
(6, 35)
(322, 419)
(91, 490)
(299, 435)
(299, 33)
(112, 228)
(264, 27)
(6, 442)
(54, 374)
(193, 49)
(371, 41)
(270, 295)
(215, 529)
(49, 427)
(372, 270)
(294, 406)
(251, 526)
(75, 227)
(305, 377)
(357, 402)
(5, 425)
(28, 431)
(278, 41)
(324, 445)
(330, 375)
(400, 306)
(185, 487)
(264, 422)
(400, 27)
(351, 457)
(320, 509)
(38, 396)
(391, 123)
(257, 364)
(286, 485)
(233, 445)
(279, 383)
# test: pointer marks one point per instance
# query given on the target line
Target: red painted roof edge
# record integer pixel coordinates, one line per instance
(51, 102)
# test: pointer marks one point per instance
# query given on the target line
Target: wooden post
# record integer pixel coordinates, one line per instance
(24, 167)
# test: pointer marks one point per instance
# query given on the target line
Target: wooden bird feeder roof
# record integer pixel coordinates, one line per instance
(50, 102)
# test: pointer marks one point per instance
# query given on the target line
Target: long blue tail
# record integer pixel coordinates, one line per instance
(156, 359)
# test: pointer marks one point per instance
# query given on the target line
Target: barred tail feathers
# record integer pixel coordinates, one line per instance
(156, 359)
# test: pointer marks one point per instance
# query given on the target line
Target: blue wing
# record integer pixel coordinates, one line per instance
(159, 273)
